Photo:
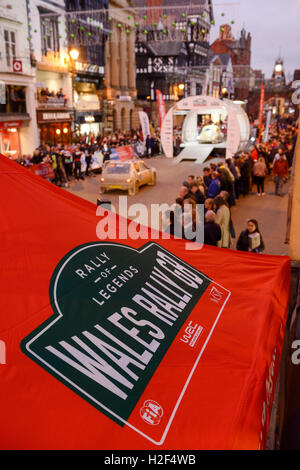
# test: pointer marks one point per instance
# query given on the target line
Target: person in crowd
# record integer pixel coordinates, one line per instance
(254, 154)
(77, 164)
(226, 196)
(213, 167)
(191, 180)
(148, 146)
(260, 172)
(200, 183)
(214, 187)
(251, 238)
(106, 150)
(189, 218)
(172, 219)
(238, 178)
(184, 192)
(290, 155)
(278, 155)
(37, 157)
(208, 205)
(280, 171)
(198, 195)
(212, 231)
(223, 220)
(245, 169)
(88, 157)
(68, 163)
(228, 179)
(207, 177)
(60, 170)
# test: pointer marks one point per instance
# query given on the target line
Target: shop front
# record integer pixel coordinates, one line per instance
(10, 142)
(88, 104)
(89, 123)
(55, 127)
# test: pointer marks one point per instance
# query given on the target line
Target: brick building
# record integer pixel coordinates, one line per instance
(240, 51)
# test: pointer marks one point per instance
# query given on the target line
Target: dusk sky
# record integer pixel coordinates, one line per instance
(274, 26)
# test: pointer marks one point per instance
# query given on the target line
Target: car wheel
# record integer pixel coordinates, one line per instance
(134, 189)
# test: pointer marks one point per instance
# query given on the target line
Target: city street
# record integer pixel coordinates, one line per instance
(153, 342)
(270, 211)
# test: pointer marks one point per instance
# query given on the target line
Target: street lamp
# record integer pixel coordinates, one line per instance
(74, 54)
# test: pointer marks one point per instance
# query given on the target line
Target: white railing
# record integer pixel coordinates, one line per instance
(50, 102)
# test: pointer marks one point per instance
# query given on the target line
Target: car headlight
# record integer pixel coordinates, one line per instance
(101, 179)
(128, 180)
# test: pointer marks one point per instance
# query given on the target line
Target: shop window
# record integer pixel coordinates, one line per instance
(50, 42)
(15, 101)
(10, 143)
(10, 46)
(56, 133)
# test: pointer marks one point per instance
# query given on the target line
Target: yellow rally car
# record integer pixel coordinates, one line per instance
(127, 175)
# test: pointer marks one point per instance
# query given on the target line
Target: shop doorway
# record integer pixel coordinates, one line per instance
(10, 143)
(56, 133)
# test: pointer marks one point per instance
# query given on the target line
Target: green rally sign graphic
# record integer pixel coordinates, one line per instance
(117, 311)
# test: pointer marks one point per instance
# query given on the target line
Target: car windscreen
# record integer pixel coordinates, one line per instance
(117, 169)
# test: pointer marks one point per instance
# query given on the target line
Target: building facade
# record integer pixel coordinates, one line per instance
(240, 51)
(87, 24)
(120, 68)
(18, 129)
(171, 51)
(48, 44)
(220, 76)
(278, 94)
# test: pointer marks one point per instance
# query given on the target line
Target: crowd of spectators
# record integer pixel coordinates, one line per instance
(146, 148)
(219, 188)
(76, 161)
(224, 182)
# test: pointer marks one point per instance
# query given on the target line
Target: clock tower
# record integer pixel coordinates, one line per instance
(278, 77)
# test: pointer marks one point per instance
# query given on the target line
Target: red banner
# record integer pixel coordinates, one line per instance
(150, 345)
(44, 170)
(161, 107)
(125, 152)
(261, 110)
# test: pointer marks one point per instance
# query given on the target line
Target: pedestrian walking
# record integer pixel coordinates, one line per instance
(280, 171)
(260, 172)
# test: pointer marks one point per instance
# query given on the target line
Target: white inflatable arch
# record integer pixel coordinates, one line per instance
(238, 126)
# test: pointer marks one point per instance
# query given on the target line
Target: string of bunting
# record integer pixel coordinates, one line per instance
(95, 28)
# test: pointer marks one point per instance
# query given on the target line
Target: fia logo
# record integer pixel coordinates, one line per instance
(215, 295)
(151, 412)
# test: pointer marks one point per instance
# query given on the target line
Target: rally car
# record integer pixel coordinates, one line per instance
(210, 134)
(126, 175)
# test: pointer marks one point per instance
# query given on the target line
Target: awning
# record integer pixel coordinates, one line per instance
(129, 344)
